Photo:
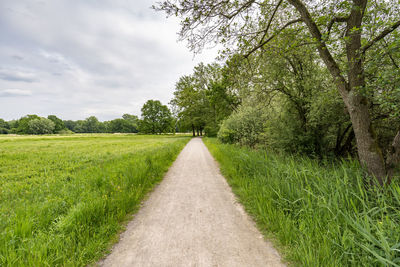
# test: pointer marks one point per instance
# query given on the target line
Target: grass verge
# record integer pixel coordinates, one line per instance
(319, 214)
(62, 199)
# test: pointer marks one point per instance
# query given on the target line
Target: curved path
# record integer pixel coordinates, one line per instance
(192, 219)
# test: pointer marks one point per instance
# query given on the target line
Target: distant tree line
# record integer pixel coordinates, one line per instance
(156, 119)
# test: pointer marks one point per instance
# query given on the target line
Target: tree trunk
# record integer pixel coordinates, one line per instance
(368, 149)
(369, 152)
(201, 131)
(194, 134)
(197, 129)
(357, 105)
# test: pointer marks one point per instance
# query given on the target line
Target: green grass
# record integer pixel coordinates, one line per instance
(63, 198)
(319, 214)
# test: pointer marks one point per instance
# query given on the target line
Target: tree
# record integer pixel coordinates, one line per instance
(59, 124)
(92, 125)
(70, 125)
(305, 114)
(21, 126)
(133, 122)
(4, 127)
(156, 118)
(343, 32)
(121, 126)
(41, 126)
(188, 102)
(203, 99)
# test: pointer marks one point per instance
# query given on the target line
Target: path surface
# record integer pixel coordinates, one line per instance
(192, 219)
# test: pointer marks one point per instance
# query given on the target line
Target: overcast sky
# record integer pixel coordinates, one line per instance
(75, 59)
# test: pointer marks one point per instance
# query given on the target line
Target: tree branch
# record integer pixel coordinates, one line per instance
(390, 55)
(323, 50)
(237, 11)
(380, 36)
(335, 20)
(270, 20)
(271, 37)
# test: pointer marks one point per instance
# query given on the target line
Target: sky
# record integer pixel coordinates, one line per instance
(81, 58)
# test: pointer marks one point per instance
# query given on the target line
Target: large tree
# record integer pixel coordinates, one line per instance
(203, 99)
(21, 126)
(41, 126)
(343, 32)
(59, 124)
(156, 118)
(92, 125)
(4, 127)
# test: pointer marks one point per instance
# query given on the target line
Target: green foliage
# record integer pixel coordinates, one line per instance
(41, 126)
(65, 131)
(156, 118)
(58, 123)
(122, 126)
(70, 124)
(320, 213)
(245, 127)
(127, 124)
(301, 109)
(21, 126)
(4, 127)
(204, 99)
(92, 125)
(63, 199)
(354, 43)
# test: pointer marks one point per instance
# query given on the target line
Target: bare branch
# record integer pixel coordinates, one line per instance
(272, 37)
(237, 11)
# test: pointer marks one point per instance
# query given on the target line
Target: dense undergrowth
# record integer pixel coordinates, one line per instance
(62, 199)
(319, 213)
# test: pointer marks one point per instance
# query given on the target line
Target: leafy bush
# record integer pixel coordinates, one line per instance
(211, 130)
(244, 126)
(65, 131)
(41, 126)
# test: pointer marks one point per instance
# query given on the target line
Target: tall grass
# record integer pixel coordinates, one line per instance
(62, 199)
(320, 214)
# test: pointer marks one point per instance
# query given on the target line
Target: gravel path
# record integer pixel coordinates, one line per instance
(192, 219)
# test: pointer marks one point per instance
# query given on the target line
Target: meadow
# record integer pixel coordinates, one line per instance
(318, 213)
(64, 199)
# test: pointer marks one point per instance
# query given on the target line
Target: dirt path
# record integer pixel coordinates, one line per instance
(192, 219)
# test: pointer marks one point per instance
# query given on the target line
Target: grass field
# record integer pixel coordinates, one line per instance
(320, 214)
(63, 198)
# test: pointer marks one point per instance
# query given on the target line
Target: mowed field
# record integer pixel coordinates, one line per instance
(63, 198)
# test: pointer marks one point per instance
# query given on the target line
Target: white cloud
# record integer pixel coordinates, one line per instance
(17, 75)
(82, 58)
(14, 93)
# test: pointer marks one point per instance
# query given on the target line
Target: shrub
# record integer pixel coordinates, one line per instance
(41, 126)
(244, 126)
(65, 131)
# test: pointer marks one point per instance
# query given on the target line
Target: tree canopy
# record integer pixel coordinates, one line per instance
(156, 118)
(344, 36)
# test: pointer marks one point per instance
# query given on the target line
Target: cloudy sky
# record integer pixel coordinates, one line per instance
(81, 58)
